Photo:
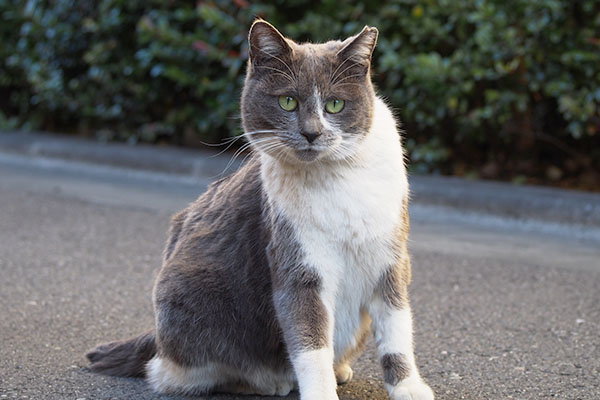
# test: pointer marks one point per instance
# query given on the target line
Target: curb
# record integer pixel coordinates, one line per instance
(167, 159)
(496, 198)
(523, 202)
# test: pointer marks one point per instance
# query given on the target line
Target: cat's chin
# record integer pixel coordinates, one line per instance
(308, 155)
(304, 156)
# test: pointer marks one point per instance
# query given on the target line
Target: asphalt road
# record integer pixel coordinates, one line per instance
(503, 309)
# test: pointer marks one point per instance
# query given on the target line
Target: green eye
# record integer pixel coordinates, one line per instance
(334, 106)
(288, 103)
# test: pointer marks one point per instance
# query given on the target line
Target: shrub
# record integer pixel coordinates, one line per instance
(485, 88)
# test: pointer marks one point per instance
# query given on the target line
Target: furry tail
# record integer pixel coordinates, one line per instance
(124, 358)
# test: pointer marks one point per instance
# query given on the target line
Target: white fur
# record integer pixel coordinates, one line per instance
(346, 215)
(393, 330)
(316, 378)
(269, 45)
(168, 377)
(320, 108)
(393, 335)
(410, 390)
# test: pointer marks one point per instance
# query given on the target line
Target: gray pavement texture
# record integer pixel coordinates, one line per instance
(505, 307)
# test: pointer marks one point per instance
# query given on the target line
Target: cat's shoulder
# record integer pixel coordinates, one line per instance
(243, 184)
(240, 192)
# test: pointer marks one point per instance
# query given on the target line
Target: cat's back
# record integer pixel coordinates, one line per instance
(226, 216)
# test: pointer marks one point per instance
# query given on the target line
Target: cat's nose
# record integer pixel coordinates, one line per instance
(310, 136)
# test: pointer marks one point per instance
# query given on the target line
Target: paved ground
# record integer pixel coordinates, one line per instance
(504, 309)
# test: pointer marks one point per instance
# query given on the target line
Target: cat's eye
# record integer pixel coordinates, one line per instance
(334, 106)
(288, 103)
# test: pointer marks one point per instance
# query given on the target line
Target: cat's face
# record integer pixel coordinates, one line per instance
(307, 102)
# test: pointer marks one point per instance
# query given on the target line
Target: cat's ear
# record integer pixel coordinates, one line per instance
(266, 43)
(360, 48)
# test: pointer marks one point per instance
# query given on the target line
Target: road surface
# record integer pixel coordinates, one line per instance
(503, 309)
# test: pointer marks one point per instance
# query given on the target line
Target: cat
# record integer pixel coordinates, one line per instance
(273, 278)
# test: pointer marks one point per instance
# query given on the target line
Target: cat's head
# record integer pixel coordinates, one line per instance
(307, 102)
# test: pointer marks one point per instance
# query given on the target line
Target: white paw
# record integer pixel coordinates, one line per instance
(318, 395)
(343, 373)
(412, 391)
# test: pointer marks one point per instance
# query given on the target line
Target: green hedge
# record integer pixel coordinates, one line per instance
(484, 88)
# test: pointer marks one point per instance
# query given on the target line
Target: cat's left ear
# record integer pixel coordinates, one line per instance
(360, 48)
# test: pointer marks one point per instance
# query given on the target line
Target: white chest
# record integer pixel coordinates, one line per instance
(346, 226)
(346, 218)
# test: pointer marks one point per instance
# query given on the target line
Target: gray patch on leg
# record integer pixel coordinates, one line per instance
(393, 289)
(395, 368)
(394, 283)
(302, 313)
(297, 289)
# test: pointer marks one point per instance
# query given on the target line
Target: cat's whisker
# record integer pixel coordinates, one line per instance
(350, 83)
(268, 147)
(235, 155)
(345, 69)
(223, 142)
(281, 157)
(246, 157)
(214, 144)
(280, 60)
(261, 131)
(331, 78)
(230, 140)
(262, 142)
(346, 154)
(281, 154)
(230, 143)
(347, 77)
(339, 154)
(278, 72)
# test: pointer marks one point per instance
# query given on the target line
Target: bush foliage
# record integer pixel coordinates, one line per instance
(484, 87)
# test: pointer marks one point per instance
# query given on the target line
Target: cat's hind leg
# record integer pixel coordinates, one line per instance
(261, 382)
(168, 377)
(268, 382)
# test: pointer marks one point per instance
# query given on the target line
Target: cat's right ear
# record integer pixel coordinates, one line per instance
(266, 43)
(359, 49)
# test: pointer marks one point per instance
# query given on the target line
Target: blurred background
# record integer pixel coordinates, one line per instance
(506, 90)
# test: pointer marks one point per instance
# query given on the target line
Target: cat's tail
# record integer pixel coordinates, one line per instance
(124, 358)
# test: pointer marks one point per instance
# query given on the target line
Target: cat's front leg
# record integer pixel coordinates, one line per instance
(392, 326)
(306, 318)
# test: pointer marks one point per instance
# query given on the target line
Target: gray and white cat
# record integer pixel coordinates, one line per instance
(273, 278)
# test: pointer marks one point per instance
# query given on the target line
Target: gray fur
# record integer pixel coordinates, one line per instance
(288, 68)
(296, 288)
(395, 368)
(233, 288)
(393, 286)
(213, 297)
(124, 358)
(392, 289)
